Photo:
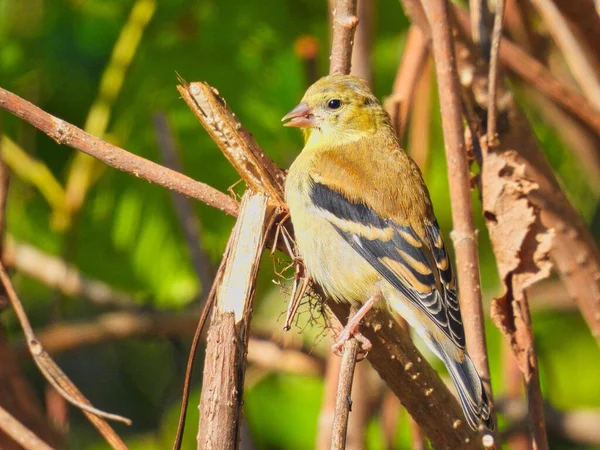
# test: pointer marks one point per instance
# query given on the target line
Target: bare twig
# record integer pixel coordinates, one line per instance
(65, 133)
(573, 50)
(344, 26)
(492, 136)
(343, 401)
(188, 221)
(56, 377)
(21, 434)
(464, 234)
(325, 424)
(223, 380)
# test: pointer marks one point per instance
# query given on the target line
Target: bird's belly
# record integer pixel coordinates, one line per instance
(329, 259)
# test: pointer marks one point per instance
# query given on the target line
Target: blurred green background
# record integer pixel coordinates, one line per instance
(56, 54)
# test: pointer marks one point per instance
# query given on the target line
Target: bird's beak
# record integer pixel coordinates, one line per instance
(301, 117)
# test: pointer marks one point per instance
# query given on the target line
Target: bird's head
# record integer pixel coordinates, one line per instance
(338, 108)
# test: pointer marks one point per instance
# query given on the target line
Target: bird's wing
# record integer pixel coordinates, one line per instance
(417, 267)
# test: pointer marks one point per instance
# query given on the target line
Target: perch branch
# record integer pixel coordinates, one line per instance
(66, 134)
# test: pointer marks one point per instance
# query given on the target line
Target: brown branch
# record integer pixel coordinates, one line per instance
(464, 234)
(190, 225)
(325, 423)
(493, 74)
(237, 144)
(224, 367)
(21, 434)
(343, 401)
(54, 374)
(66, 134)
(574, 51)
(344, 26)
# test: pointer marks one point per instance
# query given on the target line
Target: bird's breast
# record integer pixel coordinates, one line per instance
(328, 258)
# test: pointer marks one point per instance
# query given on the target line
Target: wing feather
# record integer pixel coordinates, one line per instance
(418, 268)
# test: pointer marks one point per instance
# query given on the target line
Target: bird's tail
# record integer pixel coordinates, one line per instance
(471, 393)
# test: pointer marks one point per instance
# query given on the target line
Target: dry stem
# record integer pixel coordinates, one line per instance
(20, 433)
(344, 26)
(66, 134)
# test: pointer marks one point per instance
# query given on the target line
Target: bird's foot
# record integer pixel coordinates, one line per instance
(351, 331)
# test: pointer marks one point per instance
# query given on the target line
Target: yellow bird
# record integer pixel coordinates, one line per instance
(366, 230)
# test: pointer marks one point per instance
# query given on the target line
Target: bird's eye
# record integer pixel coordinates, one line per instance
(334, 104)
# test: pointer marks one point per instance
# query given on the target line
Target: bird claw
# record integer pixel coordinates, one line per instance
(345, 336)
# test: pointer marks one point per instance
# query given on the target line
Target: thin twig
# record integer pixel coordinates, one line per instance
(480, 25)
(20, 433)
(187, 382)
(183, 208)
(66, 134)
(464, 234)
(56, 377)
(492, 136)
(345, 21)
(343, 401)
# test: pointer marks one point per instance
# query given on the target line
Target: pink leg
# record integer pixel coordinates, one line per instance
(351, 329)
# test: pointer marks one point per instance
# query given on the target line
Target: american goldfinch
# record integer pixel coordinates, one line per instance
(366, 230)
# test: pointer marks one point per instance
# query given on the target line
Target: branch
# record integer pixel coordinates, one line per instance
(493, 74)
(54, 374)
(344, 26)
(464, 234)
(225, 364)
(66, 134)
(237, 144)
(21, 434)
(343, 400)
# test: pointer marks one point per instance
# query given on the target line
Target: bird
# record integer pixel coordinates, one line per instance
(366, 230)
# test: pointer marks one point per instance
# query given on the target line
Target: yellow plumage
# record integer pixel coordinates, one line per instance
(365, 226)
